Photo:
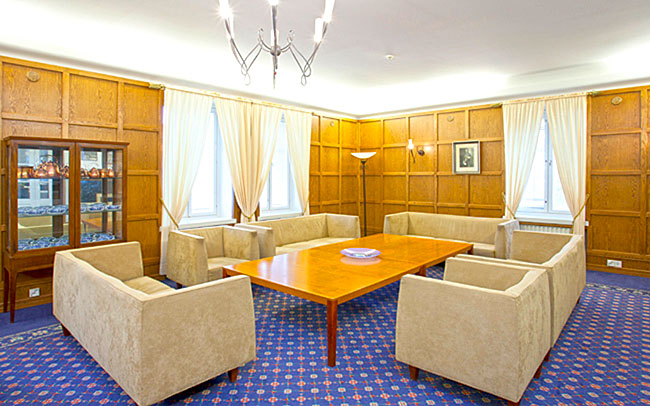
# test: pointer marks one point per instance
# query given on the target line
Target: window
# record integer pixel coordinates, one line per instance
(279, 196)
(211, 199)
(543, 197)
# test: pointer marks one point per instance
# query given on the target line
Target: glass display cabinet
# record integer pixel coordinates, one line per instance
(59, 195)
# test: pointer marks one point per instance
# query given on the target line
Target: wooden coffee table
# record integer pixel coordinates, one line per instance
(323, 275)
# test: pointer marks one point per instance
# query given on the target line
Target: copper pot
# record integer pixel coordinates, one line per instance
(50, 167)
(111, 173)
(83, 173)
(40, 172)
(25, 172)
(65, 172)
(94, 173)
(103, 173)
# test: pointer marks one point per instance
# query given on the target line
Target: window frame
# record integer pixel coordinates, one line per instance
(215, 217)
(548, 213)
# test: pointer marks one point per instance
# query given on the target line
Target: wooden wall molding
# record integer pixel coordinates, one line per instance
(73, 104)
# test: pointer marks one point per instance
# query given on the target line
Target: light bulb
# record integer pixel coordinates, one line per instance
(318, 30)
(329, 9)
(225, 10)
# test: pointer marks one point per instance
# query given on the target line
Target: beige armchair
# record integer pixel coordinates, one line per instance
(199, 255)
(303, 232)
(485, 325)
(563, 257)
(490, 236)
(154, 341)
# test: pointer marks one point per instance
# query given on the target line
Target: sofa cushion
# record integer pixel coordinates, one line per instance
(303, 245)
(451, 227)
(484, 250)
(147, 285)
(297, 229)
(213, 239)
(215, 266)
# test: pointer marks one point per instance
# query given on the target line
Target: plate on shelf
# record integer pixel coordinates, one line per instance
(360, 252)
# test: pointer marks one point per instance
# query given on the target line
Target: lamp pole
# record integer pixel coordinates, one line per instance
(365, 216)
(363, 157)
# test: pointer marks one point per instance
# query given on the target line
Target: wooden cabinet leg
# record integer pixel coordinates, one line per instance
(178, 285)
(232, 374)
(547, 356)
(5, 290)
(65, 331)
(422, 271)
(12, 296)
(332, 325)
(414, 372)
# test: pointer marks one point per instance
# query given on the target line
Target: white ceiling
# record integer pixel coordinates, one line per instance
(446, 52)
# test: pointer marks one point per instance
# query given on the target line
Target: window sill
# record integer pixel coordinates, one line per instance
(197, 222)
(544, 218)
(279, 214)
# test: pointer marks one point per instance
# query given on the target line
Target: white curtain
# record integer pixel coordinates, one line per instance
(249, 133)
(299, 137)
(567, 122)
(186, 120)
(521, 123)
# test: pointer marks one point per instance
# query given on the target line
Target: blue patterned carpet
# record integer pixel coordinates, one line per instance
(602, 358)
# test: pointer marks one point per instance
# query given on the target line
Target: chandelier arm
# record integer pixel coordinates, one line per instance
(260, 40)
(305, 66)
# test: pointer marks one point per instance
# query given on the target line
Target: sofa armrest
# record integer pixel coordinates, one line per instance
(193, 334)
(240, 243)
(397, 223)
(503, 238)
(265, 237)
(484, 274)
(187, 258)
(343, 226)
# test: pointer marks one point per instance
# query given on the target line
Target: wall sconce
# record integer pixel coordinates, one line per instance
(419, 149)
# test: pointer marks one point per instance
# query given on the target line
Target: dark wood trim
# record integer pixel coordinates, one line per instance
(414, 372)
(232, 374)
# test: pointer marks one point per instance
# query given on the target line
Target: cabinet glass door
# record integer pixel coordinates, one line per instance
(43, 196)
(101, 194)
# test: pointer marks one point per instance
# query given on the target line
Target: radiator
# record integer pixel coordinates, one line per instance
(545, 229)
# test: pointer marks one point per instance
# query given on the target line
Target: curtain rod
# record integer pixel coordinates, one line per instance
(559, 96)
(227, 97)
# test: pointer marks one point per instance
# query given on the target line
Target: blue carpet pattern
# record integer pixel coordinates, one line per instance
(602, 358)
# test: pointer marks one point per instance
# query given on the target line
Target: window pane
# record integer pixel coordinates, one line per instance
(533, 198)
(558, 202)
(203, 197)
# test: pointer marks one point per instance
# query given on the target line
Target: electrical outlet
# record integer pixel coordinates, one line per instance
(35, 292)
(614, 263)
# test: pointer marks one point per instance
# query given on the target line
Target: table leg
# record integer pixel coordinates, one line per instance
(12, 296)
(422, 271)
(471, 251)
(5, 289)
(331, 332)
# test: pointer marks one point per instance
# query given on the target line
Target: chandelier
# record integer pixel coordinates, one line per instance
(274, 48)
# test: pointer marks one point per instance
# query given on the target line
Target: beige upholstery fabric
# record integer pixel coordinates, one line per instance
(147, 285)
(484, 326)
(191, 255)
(566, 269)
(491, 236)
(299, 233)
(153, 345)
(215, 266)
(123, 263)
(265, 237)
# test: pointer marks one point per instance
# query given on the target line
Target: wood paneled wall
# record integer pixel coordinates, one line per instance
(395, 182)
(72, 104)
(617, 165)
(333, 172)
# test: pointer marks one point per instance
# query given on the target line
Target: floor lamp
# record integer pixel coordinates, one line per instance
(364, 156)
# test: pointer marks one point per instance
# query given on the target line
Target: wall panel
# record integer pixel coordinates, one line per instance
(50, 101)
(406, 181)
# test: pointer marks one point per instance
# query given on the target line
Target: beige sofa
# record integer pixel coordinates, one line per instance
(299, 233)
(563, 257)
(198, 255)
(490, 236)
(485, 325)
(154, 341)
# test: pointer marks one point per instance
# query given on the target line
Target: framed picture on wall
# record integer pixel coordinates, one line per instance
(467, 157)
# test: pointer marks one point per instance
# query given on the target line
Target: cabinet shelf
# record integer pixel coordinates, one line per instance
(106, 178)
(56, 178)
